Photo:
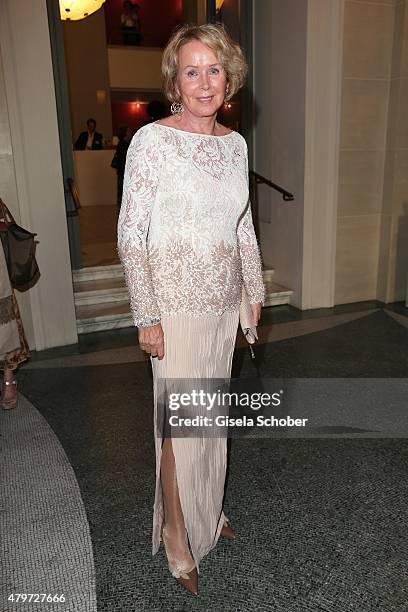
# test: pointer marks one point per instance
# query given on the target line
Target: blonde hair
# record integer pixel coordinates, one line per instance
(214, 36)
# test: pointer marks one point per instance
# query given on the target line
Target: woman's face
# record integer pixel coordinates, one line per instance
(201, 79)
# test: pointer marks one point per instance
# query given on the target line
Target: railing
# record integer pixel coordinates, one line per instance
(256, 179)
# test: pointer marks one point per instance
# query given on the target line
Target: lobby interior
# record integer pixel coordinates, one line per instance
(321, 517)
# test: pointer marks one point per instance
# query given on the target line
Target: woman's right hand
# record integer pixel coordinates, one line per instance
(151, 340)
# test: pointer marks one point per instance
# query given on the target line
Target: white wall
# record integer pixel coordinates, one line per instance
(33, 185)
(280, 38)
(86, 58)
(135, 68)
(95, 180)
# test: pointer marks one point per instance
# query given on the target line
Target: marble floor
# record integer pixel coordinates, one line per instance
(321, 523)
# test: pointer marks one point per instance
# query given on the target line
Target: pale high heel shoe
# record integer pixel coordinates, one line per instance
(226, 530)
(185, 573)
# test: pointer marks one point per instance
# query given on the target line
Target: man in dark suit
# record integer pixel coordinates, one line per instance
(91, 139)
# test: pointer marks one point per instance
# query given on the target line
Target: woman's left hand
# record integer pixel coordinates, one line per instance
(256, 312)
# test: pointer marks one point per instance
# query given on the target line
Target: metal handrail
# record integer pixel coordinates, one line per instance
(288, 197)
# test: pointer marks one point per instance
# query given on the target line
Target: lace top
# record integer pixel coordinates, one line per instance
(185, 234)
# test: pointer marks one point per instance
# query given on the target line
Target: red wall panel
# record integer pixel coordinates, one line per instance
(127, 113)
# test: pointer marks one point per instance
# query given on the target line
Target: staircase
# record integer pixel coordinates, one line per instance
(101, 299)
(275, 294)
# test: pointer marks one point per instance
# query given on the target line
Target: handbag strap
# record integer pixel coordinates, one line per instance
(6, 215)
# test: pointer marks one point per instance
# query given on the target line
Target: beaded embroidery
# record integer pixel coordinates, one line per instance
(185, 234)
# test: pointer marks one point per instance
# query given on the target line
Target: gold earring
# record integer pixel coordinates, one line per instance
(176, 108)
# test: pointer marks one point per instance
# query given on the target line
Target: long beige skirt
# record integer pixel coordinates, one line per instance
(195, 347)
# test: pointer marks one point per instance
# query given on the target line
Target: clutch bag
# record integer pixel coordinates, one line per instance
(246, 320)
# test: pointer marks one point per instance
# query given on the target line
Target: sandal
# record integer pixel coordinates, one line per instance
(7, 404)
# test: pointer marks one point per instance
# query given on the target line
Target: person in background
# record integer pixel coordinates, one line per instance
(119, 160)
(91, 139)
(13, 343)
(131, 24)
(156, 110)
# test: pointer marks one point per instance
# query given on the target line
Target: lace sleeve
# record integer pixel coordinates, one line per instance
(250, 255)
(139, 190)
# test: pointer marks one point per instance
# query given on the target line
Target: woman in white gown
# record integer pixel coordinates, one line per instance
(187, 243)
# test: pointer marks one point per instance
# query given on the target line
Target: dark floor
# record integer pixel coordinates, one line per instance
(321, 523)
(277, 314)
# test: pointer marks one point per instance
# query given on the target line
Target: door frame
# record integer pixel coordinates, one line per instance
(64, 128)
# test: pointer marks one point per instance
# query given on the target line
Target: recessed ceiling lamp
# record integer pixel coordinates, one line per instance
(72, 10)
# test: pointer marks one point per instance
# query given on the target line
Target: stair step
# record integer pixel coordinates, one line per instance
(100, 284)
(116, 314)
(98, 272)
(102, 301)
(104, 284)
(100, 291)
(105, 296)
(267, 274)
(115, 271)
(276, 294)
(109, 315)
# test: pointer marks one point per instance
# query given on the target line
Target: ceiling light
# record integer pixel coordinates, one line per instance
(72, 10)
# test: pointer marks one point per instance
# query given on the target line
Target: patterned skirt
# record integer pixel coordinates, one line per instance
(13, 343)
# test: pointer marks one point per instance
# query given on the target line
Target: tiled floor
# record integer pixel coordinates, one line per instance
(321, 523)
